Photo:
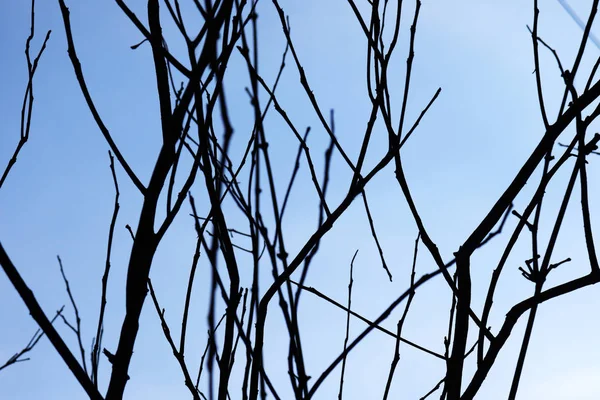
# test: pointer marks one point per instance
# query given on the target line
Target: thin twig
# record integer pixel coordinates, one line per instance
(97, 344)
(16, 358)
(77, 328)
(46, 326)
(349, 307)
(27, 107)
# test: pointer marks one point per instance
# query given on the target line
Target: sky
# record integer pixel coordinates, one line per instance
(58, 198)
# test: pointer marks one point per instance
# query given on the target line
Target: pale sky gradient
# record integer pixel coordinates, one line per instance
(59, 197)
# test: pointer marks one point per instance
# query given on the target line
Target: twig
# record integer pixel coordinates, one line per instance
(46, 326)
(97, 344)
(16, 358)
(77, 328)
(88, 98)
(396, 357)
(178, 355)
(27, 107)
(374, 234)
(349, 307)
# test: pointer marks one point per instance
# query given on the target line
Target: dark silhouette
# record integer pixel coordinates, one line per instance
(197, 136)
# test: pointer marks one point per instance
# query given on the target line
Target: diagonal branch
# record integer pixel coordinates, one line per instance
(88, 98)
(44, 323)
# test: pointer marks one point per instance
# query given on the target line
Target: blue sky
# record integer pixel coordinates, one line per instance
(58, 199)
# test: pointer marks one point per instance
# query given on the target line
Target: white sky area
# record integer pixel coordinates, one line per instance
(59, 196)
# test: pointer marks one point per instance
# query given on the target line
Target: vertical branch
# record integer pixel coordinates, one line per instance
(38, 315)
(455, 363)
(27, 107)
(396, 358)
(97, 345)
(536, 198)
(536, 60)
(409, 62)
(449, 337)
(188, 294)
(77, 328)
(534, 227)
(88, 98)
(341, 391)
